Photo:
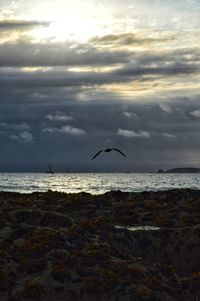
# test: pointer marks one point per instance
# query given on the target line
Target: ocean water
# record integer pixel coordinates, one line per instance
(96, 183)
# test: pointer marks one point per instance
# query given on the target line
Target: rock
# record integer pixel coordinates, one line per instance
(55, 246)
(55, 219)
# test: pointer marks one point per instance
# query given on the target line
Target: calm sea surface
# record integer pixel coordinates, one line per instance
(96, 183)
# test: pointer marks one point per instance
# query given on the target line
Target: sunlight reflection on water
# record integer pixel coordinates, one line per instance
(96, 183)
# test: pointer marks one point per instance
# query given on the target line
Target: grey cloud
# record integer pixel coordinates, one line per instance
(195, 113)
(133, 134)
(10, 126)
(129, 114)
(66, 129)
(165, 107)
(59, 116)
(170, 136)
(25, 137)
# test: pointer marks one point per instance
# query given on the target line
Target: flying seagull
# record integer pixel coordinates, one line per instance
(107, 150)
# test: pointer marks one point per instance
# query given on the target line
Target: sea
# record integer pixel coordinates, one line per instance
(96, 183)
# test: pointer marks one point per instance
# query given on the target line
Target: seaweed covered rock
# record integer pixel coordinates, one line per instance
(57, 246)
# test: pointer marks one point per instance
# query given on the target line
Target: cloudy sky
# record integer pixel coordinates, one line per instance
(78, 76)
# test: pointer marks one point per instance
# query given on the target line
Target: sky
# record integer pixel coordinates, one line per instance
(80, 76)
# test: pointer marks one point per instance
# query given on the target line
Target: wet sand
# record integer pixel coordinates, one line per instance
(115, 246)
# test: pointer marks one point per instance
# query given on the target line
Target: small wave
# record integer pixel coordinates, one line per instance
(139, 228)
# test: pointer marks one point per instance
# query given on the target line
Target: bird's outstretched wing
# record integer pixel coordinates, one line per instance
(96, 154)
(116, 149)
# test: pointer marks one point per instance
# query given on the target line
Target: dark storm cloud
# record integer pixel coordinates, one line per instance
(50, 86)
(20, 24)
(57, 86)
(171, 64)
(57, 79)
(125, 39)
(25, 54)
(174, 68)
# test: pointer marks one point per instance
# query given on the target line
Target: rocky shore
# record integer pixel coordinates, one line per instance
(57, 246)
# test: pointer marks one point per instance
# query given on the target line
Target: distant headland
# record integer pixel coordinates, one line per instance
(181, 170)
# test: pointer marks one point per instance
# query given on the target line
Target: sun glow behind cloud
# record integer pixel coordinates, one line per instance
(70, 28)
(71, 21)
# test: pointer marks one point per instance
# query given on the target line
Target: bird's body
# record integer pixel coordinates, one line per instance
(107, 150)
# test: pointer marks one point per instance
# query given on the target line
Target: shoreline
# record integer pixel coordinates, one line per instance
(97, 184)
(112, 191)
(58, 246)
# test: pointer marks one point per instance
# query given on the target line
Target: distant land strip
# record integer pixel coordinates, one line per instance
(181, 170)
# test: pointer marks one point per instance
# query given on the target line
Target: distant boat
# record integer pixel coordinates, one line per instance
(49, 170)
